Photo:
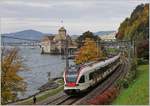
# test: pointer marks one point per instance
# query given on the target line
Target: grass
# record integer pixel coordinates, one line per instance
(60, 81)
(112, 50)
(55, 91)
(43, 95)
(138, 91)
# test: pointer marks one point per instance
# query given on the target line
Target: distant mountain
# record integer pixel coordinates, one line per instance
(37, 35)
(74, 37)
(26, 34)
(99, 33)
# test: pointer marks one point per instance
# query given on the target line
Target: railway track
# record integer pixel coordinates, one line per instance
(69, 101)
(65, 99)
(58, 99)
(119, 73)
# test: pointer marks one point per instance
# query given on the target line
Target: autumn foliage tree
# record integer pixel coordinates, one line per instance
(88, 52)
(136, 28)
(11, 82)
(85, 35)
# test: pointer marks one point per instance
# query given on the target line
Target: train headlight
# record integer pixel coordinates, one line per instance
(77, 84)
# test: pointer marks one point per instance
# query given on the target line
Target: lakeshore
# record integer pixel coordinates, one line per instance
(39, 67)
(42, 95)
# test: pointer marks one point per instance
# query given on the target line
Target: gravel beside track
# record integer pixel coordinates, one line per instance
(64, 99)
(118, 74)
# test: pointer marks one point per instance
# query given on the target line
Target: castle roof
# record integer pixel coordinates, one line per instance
(48, 37)
(62, 29)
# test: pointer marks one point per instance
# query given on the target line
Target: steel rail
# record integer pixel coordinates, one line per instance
(68, 100)
(105, 85)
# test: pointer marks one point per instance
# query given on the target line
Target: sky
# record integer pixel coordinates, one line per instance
(77, 16)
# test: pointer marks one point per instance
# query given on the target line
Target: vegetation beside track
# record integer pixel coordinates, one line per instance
(112, 50)
(138, 91)
(43, 95)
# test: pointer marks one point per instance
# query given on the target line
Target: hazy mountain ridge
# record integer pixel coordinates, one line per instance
(37, 35)
(99, 33)
(26, 34)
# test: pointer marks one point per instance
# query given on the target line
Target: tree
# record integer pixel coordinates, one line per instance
(85, 35)
(136, 28)
(11, 82)
(88, 52)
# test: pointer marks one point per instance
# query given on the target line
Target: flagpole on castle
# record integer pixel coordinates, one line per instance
(66, 48)
(62, 23)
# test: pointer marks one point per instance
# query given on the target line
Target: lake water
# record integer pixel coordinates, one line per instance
(39, 66)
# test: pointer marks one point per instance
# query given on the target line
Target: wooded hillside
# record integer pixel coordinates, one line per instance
(136, 27)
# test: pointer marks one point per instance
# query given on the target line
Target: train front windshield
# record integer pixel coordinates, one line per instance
(71, 78)
(72, 74)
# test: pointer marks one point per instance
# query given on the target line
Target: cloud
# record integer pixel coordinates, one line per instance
(45, 15)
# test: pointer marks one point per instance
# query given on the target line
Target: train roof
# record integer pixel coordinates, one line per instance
(89, 65)
(99, 64)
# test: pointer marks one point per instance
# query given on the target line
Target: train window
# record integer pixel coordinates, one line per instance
(91, 76)
(104, 68)
(82, 79)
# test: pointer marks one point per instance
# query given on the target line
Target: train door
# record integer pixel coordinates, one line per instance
(91, 78)
(95, 77)
(87, 81)
(83, 82)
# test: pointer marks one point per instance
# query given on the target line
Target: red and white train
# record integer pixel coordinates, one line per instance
(79, 78)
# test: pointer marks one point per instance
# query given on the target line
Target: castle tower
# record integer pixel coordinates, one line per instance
(62, 33)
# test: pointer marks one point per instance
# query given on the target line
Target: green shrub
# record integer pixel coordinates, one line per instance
(142, 61)
(125, 84)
